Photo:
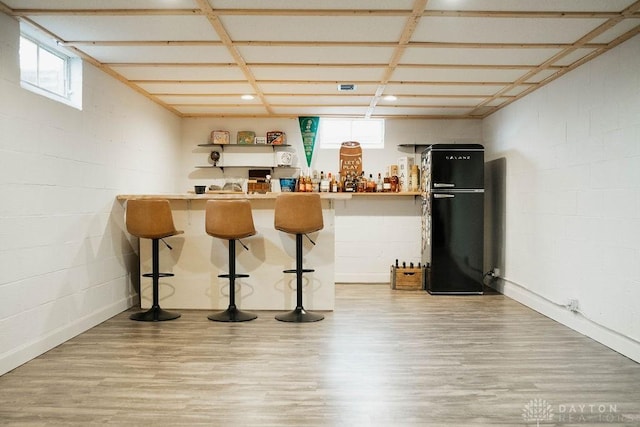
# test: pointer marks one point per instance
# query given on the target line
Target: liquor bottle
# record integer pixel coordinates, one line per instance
(315, 182)
(361, 183)
(349, 184)
(379, 184)
(300, 183)
(395, 184)
(386, 183)
(324, 183)
(333, 184)
(308, 185)
(371, 184)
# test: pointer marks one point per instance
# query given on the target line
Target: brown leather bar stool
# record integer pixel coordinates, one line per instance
(152, 219)
(299, 214)
(231, 220)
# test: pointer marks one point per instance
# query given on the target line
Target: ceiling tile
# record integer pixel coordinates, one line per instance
(502, 30)
(118, 28)
(158, 54)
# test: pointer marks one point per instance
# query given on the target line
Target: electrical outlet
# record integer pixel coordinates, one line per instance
(573, 305)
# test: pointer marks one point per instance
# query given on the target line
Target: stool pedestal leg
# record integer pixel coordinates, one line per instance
(299, 315)
(232, 314)
(155, 313)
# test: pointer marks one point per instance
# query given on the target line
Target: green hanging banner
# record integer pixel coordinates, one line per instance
(309, 130)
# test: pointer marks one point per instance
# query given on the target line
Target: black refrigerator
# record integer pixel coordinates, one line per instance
(453, 218)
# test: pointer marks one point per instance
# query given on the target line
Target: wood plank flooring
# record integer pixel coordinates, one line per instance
(382, 358)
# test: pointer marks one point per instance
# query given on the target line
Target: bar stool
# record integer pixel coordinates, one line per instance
(152, 219)
(299, 214)
(231, 220)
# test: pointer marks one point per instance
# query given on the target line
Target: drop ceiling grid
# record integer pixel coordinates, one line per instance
(617, 31)
(299, 51)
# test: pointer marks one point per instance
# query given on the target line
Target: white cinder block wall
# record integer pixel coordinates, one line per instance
(65, 260)
(572, 152)
(370, 233)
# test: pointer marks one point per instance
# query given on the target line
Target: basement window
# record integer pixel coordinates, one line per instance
(368, 132)
(48, 71)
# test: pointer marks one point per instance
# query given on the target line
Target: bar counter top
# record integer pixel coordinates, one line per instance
(238, 195)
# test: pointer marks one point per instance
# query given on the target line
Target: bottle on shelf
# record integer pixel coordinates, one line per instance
(379, 183)
(349, 185)
(361, 183)
(386, 183)
(308, 185)
(325, 182)
(371, 184)
(395, 184)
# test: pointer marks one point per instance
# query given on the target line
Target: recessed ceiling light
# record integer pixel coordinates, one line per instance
(390, 98)
(247, 97)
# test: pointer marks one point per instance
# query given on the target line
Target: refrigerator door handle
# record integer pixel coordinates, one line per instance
(443, 196)
(443, 185)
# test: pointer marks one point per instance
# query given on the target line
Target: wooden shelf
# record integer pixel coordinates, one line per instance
(401, 193)
(221, 167)
(222, 146)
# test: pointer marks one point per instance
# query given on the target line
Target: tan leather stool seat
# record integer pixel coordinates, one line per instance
(299, 214)
(152, 219)
(230, 220)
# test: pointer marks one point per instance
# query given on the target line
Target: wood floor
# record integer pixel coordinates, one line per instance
(382, 358)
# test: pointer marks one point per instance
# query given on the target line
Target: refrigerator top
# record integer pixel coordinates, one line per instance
(455, 147)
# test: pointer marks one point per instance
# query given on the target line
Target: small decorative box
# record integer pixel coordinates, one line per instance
(276, 137)
(261, 140)
(219, 137)
(246, 137)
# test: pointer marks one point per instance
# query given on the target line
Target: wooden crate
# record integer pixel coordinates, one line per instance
(407, 279)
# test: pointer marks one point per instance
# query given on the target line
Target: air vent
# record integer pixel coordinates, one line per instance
(346, 87)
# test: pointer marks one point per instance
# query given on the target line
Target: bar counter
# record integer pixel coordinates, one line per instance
(197, 259)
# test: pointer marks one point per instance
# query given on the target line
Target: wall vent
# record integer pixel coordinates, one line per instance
(346, 87)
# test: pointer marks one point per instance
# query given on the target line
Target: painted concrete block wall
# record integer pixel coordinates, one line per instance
(65, 257)
(370, 233)
(572, 231)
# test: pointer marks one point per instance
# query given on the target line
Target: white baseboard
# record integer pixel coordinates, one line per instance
(575, 321)
(20, 355)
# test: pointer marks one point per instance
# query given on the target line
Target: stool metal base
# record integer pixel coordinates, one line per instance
(299, 315)
(232, 314)
(154, 314)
